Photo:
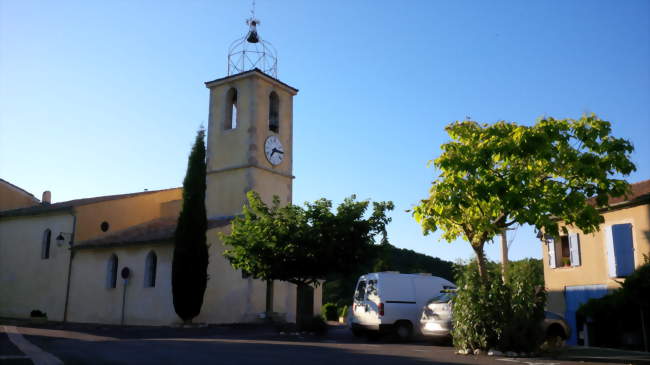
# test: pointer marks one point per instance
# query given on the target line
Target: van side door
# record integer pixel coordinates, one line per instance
(359, 303)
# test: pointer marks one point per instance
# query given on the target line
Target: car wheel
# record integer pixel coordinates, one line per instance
(403, 330)
(555, 336)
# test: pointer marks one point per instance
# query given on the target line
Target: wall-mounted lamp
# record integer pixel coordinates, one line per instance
(60, 239)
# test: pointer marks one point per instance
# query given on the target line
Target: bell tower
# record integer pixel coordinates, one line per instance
(250, 129)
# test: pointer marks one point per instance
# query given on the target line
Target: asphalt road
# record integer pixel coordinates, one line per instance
(221, 345)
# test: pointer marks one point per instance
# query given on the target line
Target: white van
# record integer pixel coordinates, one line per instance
(392, 302)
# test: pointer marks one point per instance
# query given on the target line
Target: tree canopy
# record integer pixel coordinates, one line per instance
(494, 176)
(303, 245)
(190, 258)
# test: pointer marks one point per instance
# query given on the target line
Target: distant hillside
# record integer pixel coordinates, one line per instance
(385, 257)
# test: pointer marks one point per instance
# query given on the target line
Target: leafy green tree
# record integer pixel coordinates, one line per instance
(190, 259)
(303, 245)
(494, 176)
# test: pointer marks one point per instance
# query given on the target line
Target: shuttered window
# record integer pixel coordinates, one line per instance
(574, 249)
(620, 250)
(550, 242)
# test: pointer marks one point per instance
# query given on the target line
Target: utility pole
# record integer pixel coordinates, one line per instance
(504, 255)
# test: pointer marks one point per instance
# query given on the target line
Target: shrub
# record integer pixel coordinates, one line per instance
(498, 315)
(329, 312)
(37, 314)
(631, 303)
(523, 331)
(317, 325)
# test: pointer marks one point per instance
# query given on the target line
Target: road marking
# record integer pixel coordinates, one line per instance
(528, 362)
(418, 350)
(38, 356)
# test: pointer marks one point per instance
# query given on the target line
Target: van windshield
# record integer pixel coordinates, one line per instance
(360, 293)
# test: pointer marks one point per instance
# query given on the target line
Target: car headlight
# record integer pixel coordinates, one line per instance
(433, 326)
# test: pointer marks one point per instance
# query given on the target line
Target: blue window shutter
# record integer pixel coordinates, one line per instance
(574, 249)
(623, 249)
(611, 257)
(551, 253)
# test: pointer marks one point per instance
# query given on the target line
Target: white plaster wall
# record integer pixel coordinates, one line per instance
(91, 301)
(228, 298)
(28, 282)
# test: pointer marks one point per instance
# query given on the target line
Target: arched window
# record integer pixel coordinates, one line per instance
(274, 112)
(150, 270)
(45, 245)
(231, 110)
(111, 272)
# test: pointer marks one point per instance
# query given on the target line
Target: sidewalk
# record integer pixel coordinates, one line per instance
(598, 354)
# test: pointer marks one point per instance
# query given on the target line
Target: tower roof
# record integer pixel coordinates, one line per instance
(257, 72)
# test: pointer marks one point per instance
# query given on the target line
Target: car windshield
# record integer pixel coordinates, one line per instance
(442, 298)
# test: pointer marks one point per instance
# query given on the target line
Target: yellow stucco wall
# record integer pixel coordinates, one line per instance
(231, 299)
(14, 198)
(28, 282)
(593, 258)
(236, 158)
(122, 213)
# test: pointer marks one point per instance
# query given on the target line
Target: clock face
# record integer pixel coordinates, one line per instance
(274, 151)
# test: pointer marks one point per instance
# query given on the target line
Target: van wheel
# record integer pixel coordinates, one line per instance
(403, 330)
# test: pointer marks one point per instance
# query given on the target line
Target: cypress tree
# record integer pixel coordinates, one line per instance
(190, 260)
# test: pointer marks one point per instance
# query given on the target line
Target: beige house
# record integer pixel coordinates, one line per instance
(578, 267)
(65, 259)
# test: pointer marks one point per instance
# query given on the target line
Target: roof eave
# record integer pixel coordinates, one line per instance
(292, 90)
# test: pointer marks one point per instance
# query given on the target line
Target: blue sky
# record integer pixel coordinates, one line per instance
(102, 98)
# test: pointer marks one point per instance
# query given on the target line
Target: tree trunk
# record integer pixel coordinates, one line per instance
(480, 262)
(269, 298)
(304, 306)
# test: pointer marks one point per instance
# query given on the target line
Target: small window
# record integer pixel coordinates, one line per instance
(566, 251)
(150, 270)
(564, 256)
(230, 121)
(45, 245)
(274, 112)
(104, 226)
(360, 293)
(371, 290)
(111, 272)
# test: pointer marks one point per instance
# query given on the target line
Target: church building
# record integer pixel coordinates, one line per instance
(65, 259)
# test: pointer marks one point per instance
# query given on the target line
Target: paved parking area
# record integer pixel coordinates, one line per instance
(78, 344)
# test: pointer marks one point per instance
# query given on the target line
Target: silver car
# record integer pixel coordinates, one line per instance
(435, 321)
(436, 316)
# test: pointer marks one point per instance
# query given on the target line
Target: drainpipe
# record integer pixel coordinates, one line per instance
(67, 289)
